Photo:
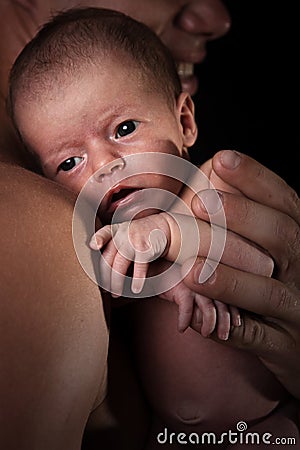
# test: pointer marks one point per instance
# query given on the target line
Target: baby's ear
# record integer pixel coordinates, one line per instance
(186, 114)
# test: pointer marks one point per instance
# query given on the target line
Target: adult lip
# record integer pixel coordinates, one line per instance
(185, 71)
(189, 82)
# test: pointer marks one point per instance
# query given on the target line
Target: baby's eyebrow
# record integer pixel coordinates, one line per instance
(59, 153)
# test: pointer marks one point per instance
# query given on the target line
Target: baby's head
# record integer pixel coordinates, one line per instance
(94, 86)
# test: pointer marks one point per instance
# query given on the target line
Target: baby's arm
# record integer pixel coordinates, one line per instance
(143, 241)
(205, 178)
(160, 235)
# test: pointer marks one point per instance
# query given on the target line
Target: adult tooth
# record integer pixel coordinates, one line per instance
(185, 69)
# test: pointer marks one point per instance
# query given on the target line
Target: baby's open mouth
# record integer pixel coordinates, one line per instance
(119, 200)
(122, 194)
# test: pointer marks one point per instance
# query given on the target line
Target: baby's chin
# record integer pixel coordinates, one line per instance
(146, 213)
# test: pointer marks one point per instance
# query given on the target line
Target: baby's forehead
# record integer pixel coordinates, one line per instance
(96, 62)
(54, 80)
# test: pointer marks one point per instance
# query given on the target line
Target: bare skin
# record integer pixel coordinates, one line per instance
(82, 329)
(55, 328)
(287, 366)
(51, 325)
(276, 298)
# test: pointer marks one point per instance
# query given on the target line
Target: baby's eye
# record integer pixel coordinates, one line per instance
(127, 127)
(70, 163)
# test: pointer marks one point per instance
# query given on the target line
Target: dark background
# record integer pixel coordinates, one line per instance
(248, 96)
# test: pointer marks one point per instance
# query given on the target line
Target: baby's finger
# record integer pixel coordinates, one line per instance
(101, 237)
(119, 269)
(223, 320)
(235, 316)
(185, 313)
(105, 267)
(106, 262)
(206, 314)
(140, 271)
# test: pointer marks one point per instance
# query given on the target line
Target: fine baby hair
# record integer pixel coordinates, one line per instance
(76, 39)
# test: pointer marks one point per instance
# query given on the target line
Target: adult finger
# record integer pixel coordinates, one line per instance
(229, 247)
(261, 295)
(268, 228)
(256, 182)
(275, 343)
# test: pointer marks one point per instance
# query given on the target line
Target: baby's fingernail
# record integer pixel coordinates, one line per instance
(230, 159)
(199, 316)
(224, 336)
(210, 200)
(238, 321)
(181, 328)
(137, 285)
(95, 243)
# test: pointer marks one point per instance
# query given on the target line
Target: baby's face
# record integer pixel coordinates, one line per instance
(99, 118)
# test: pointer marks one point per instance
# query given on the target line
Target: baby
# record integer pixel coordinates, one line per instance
(174, 236)
(92, 90)
(83, 118)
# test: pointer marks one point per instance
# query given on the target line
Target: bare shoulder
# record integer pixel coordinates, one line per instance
(53, 332)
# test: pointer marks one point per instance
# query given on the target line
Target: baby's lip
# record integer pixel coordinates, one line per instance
(115, 197)
(120, 195)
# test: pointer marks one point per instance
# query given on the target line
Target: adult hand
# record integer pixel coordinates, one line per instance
(269, 216)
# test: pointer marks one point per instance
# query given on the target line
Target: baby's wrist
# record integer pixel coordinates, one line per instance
(174, 238)
(184, 237)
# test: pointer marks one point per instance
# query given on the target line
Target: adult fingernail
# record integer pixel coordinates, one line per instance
(210, 200)
(204, 272)
(230, 159)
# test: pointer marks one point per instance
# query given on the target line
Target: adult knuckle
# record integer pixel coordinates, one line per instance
(254, 334)
(294, 241)
(288, 232)
(224, 289)
(280, 226)
(293, 200)
(234, 285)
(280, 297)
(260, 172)
(246, 212)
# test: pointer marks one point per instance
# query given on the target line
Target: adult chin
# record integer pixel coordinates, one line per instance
(190, 84)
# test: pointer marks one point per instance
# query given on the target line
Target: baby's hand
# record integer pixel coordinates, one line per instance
(194, 310)
(139, 242)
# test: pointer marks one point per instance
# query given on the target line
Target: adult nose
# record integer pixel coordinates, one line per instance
(209, 18)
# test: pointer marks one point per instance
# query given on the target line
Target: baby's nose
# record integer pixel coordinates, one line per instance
(206, 17)
(109, 169)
